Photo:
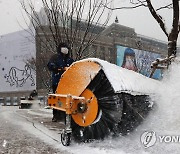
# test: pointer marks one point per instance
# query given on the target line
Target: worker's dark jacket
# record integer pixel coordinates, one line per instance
(56, 65)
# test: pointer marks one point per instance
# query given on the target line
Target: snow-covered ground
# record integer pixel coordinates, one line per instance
(164, 120)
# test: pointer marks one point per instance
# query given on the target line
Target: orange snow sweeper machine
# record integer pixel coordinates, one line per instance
(100, 99)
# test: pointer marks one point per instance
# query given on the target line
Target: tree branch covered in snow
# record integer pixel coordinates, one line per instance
(158, 18)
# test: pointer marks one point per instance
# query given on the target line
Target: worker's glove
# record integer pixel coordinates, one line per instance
(65, 68)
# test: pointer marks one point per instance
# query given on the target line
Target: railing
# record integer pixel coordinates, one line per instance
(15, 101)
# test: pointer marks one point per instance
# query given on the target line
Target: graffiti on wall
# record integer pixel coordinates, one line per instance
(17, 77)
(137, 60)
(15, 49)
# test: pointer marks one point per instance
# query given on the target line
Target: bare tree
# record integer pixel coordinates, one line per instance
(73, 21)
(77, 22)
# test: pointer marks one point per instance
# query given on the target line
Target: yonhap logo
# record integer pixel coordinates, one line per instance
(148, 138)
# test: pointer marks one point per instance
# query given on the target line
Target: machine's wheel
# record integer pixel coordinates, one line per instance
(65, 138)
(108, 114)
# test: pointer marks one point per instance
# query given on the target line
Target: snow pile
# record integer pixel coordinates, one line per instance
(123, 80)
(168, 116)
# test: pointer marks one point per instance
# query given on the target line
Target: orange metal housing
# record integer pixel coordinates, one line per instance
(73, 84)
(77, 77)
(86, 118)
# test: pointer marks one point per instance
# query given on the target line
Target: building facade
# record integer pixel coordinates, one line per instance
(110, 45)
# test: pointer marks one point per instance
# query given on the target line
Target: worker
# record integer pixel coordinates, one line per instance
(57, 65)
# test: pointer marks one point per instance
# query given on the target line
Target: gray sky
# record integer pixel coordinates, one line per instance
(140, 19)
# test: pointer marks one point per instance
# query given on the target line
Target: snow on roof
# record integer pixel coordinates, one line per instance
(124, 80)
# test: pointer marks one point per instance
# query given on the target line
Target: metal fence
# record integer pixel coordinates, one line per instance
(15, 101)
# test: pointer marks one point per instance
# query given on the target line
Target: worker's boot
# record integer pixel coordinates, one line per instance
(54, 119)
